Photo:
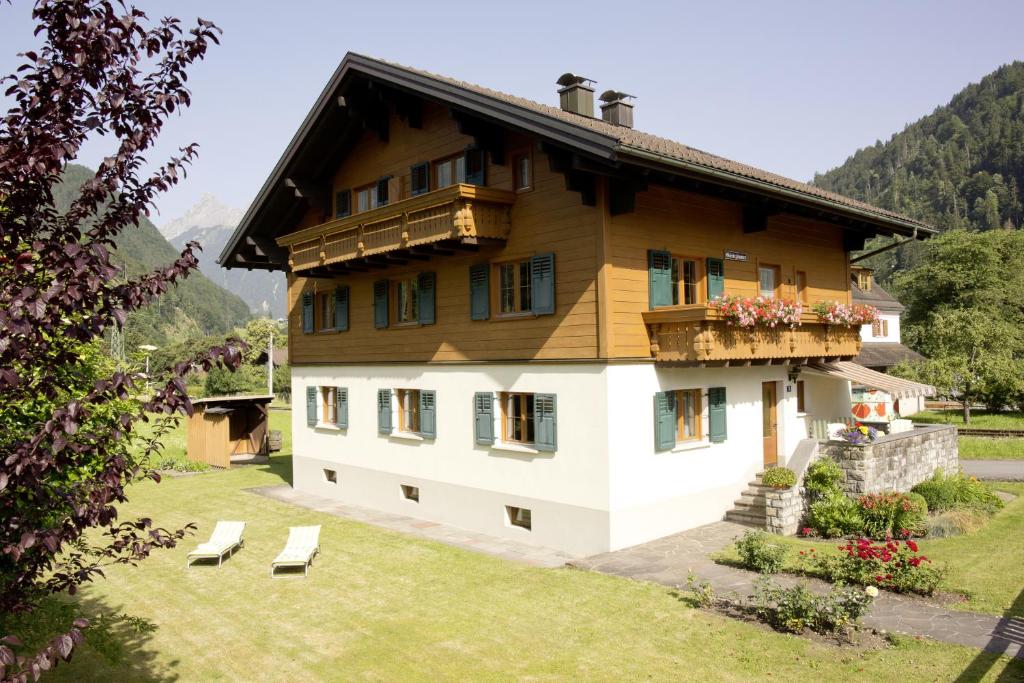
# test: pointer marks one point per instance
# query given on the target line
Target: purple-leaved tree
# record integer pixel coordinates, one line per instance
(68, 447)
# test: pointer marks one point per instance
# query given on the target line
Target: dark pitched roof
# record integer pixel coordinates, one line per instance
(885, 354)
(591, 136)
(877, 297)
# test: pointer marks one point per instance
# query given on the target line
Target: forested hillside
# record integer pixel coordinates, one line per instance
(195, 307)
(962, 166)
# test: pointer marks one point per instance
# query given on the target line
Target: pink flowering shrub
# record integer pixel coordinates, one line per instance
(758, 311)
(835, 313)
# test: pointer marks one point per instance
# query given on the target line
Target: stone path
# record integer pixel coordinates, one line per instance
(995, 470)
(506, 549)
(668, 561)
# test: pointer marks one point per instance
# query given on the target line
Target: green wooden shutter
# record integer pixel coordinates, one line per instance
(716, 415)
(545, 424)
(542, 283)
(342, 203)
(659, 278)
(428, 413)
(311, 406)
(716, 278)
(307, 313)
(382, 191)
(483, 413)
(474, 160)
(480, 291)
(341, 309)
(420, 179)
(664, 420)
(380, 303)
(427, 286)
(384, 411)
(341, 407)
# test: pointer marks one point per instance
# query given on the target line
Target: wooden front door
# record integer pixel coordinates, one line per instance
(770, 420)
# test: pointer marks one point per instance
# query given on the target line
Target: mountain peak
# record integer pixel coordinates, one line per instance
(208, 212)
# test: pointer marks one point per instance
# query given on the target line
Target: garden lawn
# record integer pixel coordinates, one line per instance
(379, 605)
(984, 448)
(980, 419)
(985, 565)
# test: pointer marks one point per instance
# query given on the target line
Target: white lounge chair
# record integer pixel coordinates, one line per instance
(303, 543)
(225, 539)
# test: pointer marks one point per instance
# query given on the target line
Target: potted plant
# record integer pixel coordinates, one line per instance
(859, 435)
(835, 313)
(779, 477)
(758, 311)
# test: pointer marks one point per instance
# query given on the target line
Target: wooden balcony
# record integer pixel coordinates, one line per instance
(459, 214)
(698, 335)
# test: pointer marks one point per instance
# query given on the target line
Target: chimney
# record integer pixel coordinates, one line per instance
(576, 95)
(615, 109)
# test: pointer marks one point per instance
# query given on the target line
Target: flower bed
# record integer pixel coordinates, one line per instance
(894, 565)
(758, 311)
(835, 313)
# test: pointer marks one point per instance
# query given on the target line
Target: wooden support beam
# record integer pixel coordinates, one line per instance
(853, 241)
(487, 136)
(755, 219)
(622, 194)
(409, 109)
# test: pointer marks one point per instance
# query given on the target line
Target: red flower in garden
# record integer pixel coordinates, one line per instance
(912, 546)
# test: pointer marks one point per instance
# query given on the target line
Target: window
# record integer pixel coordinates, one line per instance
(880, 328)
(407, 300)
(331, 476)
(862, 278)
(800, 405)
(522, 167)
(475, 167)
(342, 203)
(520, 517)
(885, 328)
(307, 313)
(329, 405)
(326, 311)
(408, 410)
(411, 492)
(514, 291)
(801, 286)
(517, 418)
(449, 171)
(688, 424)
(768, 281)
(685, 281)
(366, 198)
(420, 179)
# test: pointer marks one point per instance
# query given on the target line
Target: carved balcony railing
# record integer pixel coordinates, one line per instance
(699, 335)
(462, 214)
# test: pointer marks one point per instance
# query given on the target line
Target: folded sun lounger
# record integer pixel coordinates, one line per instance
(225, 539)
(303, 543)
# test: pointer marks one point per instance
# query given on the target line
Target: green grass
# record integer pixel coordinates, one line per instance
(985, 565)
(980, 419)
(984, 448)
(382, 606)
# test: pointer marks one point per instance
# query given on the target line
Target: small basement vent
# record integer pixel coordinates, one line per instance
(520, 517)
(330, 476)
(411, 493)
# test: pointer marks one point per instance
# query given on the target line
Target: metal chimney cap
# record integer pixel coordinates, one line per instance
(615, 96)
(569, 78)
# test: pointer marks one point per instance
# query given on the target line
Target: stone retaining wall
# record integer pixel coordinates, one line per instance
(896, 462)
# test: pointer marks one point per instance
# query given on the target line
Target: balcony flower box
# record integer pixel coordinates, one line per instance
(835, 313)
(757, 311)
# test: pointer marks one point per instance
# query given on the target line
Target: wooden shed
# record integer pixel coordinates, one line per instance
(226, 428)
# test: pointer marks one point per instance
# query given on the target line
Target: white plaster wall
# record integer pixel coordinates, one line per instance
(655, 493)
(826, 398)
(462, 483)
(894, 329)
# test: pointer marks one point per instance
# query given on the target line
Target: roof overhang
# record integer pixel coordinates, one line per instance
(896, 387)
(264, 216)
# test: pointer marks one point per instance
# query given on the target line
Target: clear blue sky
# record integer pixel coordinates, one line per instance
(792, 87)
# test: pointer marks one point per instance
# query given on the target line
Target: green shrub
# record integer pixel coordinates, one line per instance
(701, 593)
(173, 464)
(779, 477)
(835, 515)
(892, 514)
(797, 608)
(822, 478)
(758, 555)
(955, 523)
(947, 492)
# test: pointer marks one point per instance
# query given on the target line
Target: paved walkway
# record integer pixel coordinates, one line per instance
(506, 549)
(668, 561)
(994, 470)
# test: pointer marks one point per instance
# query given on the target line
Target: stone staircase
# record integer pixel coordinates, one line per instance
(750, 508)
